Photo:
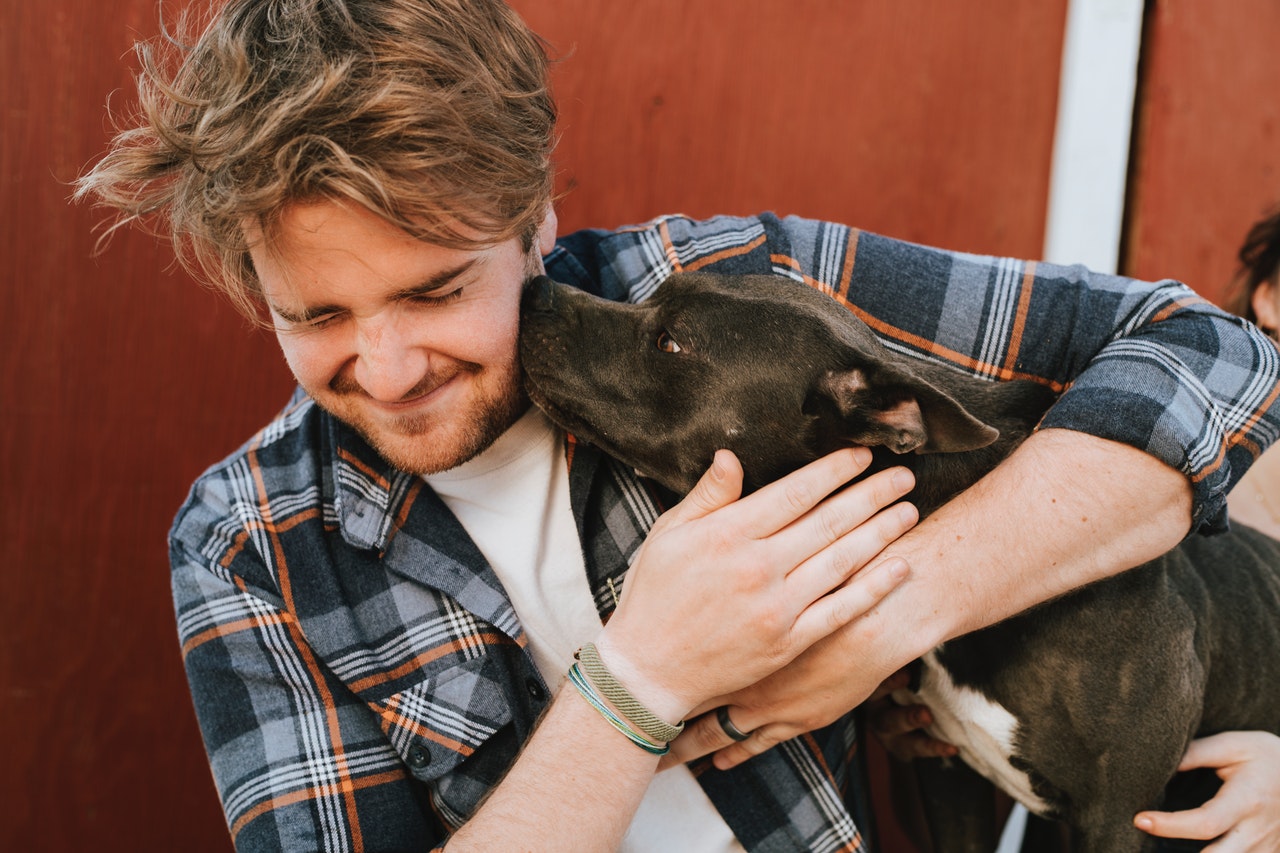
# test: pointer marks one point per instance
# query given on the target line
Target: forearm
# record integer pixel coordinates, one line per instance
(1064, 510)
(577, 777)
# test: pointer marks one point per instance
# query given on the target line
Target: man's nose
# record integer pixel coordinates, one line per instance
(390, 362)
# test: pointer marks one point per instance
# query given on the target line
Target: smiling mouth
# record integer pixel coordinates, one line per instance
(417, 398)
(423, 392)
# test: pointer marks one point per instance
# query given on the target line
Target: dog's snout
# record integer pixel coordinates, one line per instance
(539, 295)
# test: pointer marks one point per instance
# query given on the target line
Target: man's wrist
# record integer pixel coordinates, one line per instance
(664, 703)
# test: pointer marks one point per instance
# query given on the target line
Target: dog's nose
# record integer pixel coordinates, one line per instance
(539, 295)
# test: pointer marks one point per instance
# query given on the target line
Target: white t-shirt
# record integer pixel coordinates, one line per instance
(513, 500)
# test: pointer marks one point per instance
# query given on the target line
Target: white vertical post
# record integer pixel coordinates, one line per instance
(1091, 140)
(1087, 181)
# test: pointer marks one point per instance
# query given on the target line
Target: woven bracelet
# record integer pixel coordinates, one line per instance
(630, 707)
(584, 687)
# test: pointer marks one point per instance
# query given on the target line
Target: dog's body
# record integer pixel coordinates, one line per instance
(1080, 708)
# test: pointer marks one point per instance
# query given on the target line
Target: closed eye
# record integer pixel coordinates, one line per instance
(430, 299)
(666, 343)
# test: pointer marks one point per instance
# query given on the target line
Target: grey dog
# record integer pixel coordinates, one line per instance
(1080, 708)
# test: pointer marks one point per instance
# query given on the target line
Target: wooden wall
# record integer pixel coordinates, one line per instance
(1206, 163)
(120, 379)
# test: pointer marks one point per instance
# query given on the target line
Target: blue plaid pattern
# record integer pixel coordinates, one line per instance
(358, 673)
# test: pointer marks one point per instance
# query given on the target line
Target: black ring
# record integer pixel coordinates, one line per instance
(722, 714)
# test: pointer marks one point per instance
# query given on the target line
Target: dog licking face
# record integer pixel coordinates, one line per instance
(772, 370)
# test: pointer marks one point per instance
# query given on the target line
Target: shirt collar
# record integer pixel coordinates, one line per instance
(368, 491)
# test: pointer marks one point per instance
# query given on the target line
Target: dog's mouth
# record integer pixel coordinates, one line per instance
(584, 431)
(563, 418)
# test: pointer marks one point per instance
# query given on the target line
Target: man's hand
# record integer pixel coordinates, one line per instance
(1064, 510)
(725, 591)
(900, 728)
(1245, 813)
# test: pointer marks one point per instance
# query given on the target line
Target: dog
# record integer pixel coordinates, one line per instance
(1079, 708)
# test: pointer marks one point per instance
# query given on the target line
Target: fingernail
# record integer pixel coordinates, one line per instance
(1144, 823)
(898, 569)
(903, 480)
(717, 465)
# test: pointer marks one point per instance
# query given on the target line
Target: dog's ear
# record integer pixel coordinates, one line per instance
(896, 409)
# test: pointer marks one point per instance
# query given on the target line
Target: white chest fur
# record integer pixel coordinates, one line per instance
(982, 730)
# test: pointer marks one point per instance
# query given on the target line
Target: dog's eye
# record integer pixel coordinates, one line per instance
(666, 343)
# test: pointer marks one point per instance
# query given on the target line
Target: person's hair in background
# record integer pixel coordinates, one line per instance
(1256, 295)
(398, 107)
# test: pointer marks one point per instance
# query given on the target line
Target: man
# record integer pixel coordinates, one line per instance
(380, 594)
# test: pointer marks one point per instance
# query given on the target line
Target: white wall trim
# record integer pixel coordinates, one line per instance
(1091, 138)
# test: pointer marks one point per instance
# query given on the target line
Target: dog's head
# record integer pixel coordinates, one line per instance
(776, 372)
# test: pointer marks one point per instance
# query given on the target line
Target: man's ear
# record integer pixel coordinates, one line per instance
(898, 410)
(546, 237)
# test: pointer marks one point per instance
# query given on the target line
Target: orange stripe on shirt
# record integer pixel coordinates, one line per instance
(402, 515)
(732, 252)
(1020, 319)
(303, 794)
(570, 447)
(1176, 305)
(226, 630)
(380, 480)
(305, 654)
(958, 358)
(815, 751)
(1239, 437)
(389, 714)
(490, 638)
(846, 274)
(669, 246)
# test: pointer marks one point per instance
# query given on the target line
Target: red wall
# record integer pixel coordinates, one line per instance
(121, 379)
(1207, 158)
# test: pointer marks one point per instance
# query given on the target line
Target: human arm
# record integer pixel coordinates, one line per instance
(972, 562)
(1245, 813)
(704, 604)
(297, 757)
(1167, 400)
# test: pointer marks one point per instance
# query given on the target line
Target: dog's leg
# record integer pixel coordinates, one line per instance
(959, 806)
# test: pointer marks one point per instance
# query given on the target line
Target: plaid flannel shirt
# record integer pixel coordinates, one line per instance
(360, 676)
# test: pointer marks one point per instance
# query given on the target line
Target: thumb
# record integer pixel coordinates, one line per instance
(720, 486)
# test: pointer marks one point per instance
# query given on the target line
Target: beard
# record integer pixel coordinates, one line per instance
(442, 437)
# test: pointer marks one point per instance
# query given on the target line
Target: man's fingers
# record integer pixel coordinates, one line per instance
(900, 729)
(834, 564)
(783, 501)
(1201, 823)
(762, 740)
(859, 596)
(702, 735)
(897, 681)
(1220, 750)
(889, 720)
(718, 487)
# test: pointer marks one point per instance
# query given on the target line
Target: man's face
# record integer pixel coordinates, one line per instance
(411, 344)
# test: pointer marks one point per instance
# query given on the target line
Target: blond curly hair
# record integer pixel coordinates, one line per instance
(434, 114)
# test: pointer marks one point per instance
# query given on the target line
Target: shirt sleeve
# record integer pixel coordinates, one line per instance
(299, 762)
(1149, 364)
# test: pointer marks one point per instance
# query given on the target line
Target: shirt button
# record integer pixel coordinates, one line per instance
(535, 689)
(419, 757)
